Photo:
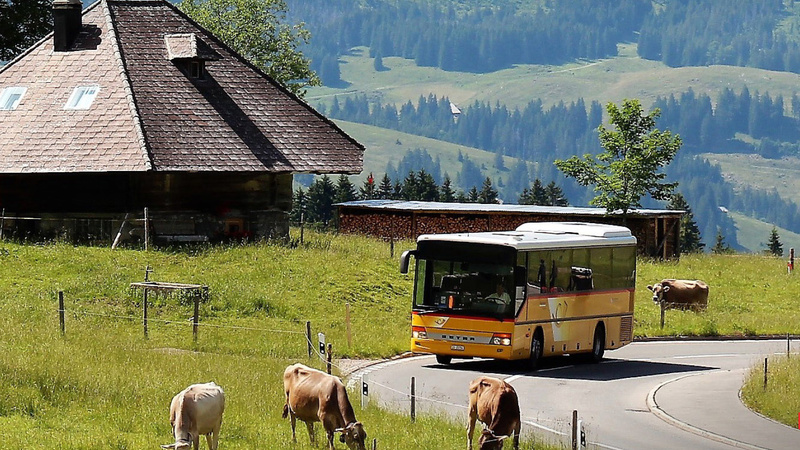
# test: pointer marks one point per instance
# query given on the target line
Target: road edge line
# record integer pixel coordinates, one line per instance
(652, 405)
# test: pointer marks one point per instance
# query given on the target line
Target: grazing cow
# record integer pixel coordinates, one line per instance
(314, 396)
(494, 402)
(681, 294)
(194, 411)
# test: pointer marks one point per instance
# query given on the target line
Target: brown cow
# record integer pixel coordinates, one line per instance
(194, 411)
(314, 396)
(681, 294)
(494, 402)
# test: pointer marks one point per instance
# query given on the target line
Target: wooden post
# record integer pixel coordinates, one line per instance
(146, 229)
(364, 391)
(2, 222)
(375, 443)
(391, 246)
(308, 337)
(61, 311)
(663, 307)
(574, 429)
(788, 345)
(791, 260)
(347, 323)
(413, 400)
(302, 224)
(196, 318)
(328, 357)
(765, 373)
(144, 313)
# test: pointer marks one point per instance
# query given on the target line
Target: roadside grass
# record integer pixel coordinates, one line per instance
(781, 399)
(103, 385)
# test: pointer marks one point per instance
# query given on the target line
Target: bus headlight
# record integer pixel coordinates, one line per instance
(501, 339)
(419, 333)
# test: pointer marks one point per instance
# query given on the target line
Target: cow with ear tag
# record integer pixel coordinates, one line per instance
(195, 411)
(681, 294)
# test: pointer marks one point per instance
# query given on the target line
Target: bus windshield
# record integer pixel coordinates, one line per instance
(465, 288)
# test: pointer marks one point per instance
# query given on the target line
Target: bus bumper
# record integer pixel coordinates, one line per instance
(460, 350)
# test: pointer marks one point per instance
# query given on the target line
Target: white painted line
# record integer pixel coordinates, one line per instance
(513, 377)
(720, 355)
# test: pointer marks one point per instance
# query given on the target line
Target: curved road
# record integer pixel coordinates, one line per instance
(655, 395)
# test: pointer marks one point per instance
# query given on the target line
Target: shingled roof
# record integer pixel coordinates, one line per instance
(149, 113)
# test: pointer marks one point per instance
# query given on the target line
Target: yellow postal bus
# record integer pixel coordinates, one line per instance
(544, 289)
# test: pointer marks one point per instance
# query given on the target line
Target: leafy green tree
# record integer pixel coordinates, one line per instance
(774, 245)
(23, 22)
(629, 167)
(487, 194)
(690, 240)
(257, 30)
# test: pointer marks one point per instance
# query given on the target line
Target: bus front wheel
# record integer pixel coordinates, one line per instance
(443, 359)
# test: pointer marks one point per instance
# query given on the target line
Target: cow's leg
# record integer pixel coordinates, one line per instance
(516, 434)
(196, 441)
(210, 441)
(330, 439)
(293, 421)
(310, 428)
(471, 428)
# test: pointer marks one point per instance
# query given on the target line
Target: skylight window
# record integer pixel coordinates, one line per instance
(11, 96)
(82, 97)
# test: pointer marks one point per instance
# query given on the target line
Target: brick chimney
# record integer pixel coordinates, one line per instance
(66, 23)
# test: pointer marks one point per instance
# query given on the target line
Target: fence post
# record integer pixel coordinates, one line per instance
(663, 307)
(196, 317)
(308, 337)
(765, 373)
(328, 357)
(574, 429)
(413, 400)
(788, 346)
(61, 311)
(791, 260)
(302, 225)
(364, 391)
(144, 313)
(374, 443)
(2, 222)
(347, 322)
(146, 229)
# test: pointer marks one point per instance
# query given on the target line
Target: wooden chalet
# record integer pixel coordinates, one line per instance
(128, 105)
(657, 231)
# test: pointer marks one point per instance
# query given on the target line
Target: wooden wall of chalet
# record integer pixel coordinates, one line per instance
(657, 235)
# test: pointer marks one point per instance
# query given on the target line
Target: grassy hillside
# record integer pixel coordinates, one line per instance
(754, 234)
(608, 80)
(782, 175)
(104, 385)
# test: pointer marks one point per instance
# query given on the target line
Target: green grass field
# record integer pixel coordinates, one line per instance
(104, 385)
(781, 399)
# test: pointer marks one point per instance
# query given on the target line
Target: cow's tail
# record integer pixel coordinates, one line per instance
(285, 411)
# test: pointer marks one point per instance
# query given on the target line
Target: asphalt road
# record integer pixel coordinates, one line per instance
(647, 395)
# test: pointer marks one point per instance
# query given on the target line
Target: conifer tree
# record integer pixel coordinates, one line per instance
(319, 201)
(427, 189)
(368, 191)
(345, 190)
(555, 195)
(446, 193)
(488, 193)
(690, 240)
(472, 195)
(720, 246)
(298, 206)
(774, 245)
(385, 188)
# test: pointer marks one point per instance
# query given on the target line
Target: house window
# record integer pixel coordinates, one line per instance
(82, 97)
(11, 96)
(196, 70)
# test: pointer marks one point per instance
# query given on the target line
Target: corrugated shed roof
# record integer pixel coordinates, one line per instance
(150, 115)
(403, 205)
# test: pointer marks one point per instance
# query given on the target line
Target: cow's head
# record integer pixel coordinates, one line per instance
(180, 444)
(659, 289)
(491, 441)
(353, 435)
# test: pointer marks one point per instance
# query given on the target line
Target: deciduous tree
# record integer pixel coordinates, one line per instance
(23, 22)
(258, 30)
(629, 167)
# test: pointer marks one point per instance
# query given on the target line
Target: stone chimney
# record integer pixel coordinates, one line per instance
(66, 23)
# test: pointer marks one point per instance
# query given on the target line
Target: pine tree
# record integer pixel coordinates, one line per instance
(345, 190)
(299, 199)
(385, 188)
(472, 195)
(427, 189)
(446, 193)
(319, 201)
(368, 191)
(488, 193)
(774, 245)
(720, 246)
(555, 195)
(690, 240)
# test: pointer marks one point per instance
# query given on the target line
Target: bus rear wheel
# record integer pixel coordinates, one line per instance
(598, 344)
(443, 359)
(537, 348)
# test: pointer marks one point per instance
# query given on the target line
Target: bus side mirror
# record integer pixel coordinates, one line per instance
(404, 259)
(520, 276)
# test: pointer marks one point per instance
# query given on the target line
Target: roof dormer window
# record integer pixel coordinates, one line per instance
(11, 96)
(82, 97)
